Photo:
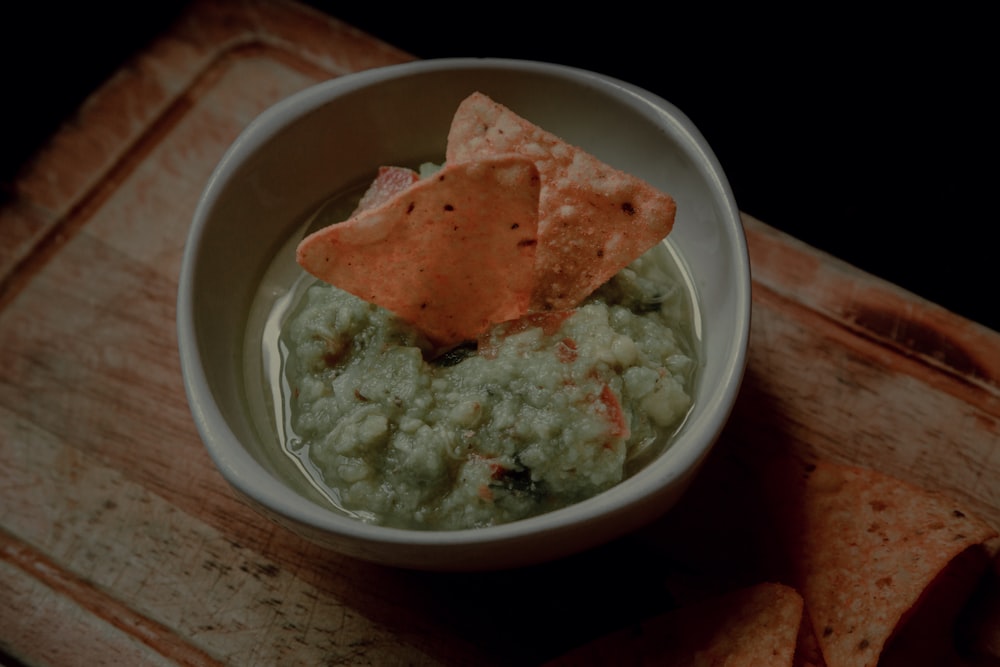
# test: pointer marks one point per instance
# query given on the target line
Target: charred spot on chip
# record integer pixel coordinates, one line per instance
(958, 514)
(863, 644)
(449, 207)
(827, 631)
(515, 226)
(409, 209)
(600, 252)
(627, 208)
(527, 243)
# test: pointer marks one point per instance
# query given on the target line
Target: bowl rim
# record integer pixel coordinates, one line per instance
(247, 476)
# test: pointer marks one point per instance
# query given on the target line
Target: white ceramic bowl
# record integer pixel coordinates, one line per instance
(337, 133)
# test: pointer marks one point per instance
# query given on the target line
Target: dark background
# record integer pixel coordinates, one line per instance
(868, 136)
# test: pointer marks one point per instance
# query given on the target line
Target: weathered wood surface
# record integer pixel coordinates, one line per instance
(120, 543)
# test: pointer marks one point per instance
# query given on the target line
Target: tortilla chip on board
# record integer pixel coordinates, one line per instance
(450, 254)
(593, 219)
(862, 547)
(748, 627)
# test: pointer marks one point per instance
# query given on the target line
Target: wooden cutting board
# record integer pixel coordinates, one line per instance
(121, 544)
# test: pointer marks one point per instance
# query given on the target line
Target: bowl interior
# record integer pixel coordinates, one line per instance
(335, 135)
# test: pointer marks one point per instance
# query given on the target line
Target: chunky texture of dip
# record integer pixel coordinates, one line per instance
(540, 413)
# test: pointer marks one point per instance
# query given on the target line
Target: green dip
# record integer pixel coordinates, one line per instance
(539, 414)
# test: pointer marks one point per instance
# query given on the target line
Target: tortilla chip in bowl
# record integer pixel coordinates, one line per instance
(253, 244)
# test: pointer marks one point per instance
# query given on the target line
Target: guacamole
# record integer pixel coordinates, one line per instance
(537, 414)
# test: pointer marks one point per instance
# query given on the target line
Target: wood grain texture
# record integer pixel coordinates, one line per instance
(119, 541)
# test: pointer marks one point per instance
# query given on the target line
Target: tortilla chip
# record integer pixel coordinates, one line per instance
(862, 548)
(752, 626)
(807, 650)
(388, 183)
(927, 636)
(979, 621)
(450, 254)
(593, 219)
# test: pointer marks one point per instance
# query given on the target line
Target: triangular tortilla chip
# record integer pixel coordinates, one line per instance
(979, 620)
(944, 626)
(749, 627)
(862, 548)
(450, 254)
(593, 219)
